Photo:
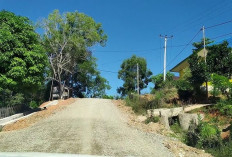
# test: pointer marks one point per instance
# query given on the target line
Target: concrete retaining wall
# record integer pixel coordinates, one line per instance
(15, 116)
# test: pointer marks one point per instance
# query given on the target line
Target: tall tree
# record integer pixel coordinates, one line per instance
(128, 74)
(22, 58)
(67, 39)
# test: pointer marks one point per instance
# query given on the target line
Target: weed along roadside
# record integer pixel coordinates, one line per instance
(200, 126)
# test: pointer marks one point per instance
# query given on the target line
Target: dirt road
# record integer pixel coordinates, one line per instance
(88, 126)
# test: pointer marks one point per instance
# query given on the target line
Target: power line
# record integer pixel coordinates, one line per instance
(145, 50)
(107, 71)
(214, 8)
(223, 23)
(221, 36)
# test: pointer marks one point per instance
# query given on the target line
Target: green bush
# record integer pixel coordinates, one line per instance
(204, 136)
(107, 97)
(33, 104)
(8, 98)
(222, 84)
(166, 95)
(138, 104)
(154, 119)
(225, 107)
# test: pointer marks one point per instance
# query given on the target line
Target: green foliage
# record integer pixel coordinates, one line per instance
(154, 119)
(221, 83)
(204, 136)
(198, 69)
(158, 80)
(166, 95)
(139, 105)
(222, 151)
(184, 86)
(178, 132)
(17, 99)
(33, 104)
(107, 97)
(22, 58)
(8, 98)
(225, 107)
(128, 74)
(67, 40)
(219, 59)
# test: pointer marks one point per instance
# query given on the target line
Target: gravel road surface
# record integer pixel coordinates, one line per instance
(88, 126)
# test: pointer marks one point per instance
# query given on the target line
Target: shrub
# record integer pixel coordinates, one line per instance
(17, 99)
(154, 119)
(164, 96)
(225, 107)
(107, 97)
(138, 104)
(33, 104)
(221, 83)
(8, 98)
(204, 136)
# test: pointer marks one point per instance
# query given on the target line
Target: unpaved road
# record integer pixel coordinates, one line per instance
(88, 126)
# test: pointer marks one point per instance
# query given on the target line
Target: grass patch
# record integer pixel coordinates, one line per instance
(178, 132)
(152, 119)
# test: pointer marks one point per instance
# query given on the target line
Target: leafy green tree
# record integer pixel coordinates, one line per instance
(159, 82)
(219, 59)
(198, 66)
(88, 81)
(222, 84)
(22, 58)
(67, 40)
(128, 74)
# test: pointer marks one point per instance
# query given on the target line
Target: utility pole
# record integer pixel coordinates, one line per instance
(165, 52)
(138, 79)
(206, 83)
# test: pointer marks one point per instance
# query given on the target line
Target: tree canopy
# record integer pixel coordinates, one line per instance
(197, 65)
(128, 74)
(219, 59)
(67, 40)
(22, 57)
(158, 79)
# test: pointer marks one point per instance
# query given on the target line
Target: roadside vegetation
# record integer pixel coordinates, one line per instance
(214, 132)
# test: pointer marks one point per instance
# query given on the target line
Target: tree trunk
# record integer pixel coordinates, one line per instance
(60, 89)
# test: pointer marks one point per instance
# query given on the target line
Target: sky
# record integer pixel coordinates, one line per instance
(134, 27)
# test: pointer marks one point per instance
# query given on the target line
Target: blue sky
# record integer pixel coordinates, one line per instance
(134, 26)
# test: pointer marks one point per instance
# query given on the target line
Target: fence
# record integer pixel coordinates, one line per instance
(9, 110)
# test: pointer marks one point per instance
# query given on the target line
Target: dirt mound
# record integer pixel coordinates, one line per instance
(28, 121)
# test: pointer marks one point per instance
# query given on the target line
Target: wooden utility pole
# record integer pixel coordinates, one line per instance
(165, 52)
(138, 79)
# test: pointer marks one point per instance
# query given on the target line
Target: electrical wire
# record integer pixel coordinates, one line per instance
(107, 71)
(221, 36)
(216, 25)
